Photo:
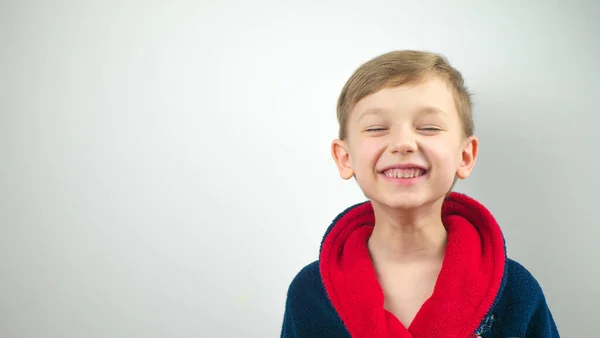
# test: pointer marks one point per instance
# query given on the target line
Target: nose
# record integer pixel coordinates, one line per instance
(403, 141)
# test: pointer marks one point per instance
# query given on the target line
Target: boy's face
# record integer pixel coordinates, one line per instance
(413, 129)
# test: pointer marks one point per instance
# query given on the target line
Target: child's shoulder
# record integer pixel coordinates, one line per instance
(308, 277)
(308, 310)
(520, 281)
(306, 288)
(522, 308)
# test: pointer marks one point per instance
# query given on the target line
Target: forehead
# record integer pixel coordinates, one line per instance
(427, 96)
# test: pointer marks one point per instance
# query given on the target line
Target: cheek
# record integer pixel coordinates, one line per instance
(367, 152)
(444, 154)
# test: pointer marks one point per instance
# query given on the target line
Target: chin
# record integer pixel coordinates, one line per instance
(404, 205)
(407, 201)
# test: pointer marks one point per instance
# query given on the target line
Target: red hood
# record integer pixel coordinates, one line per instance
(468, 283)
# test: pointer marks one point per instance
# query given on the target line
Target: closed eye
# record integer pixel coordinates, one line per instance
(375, 129)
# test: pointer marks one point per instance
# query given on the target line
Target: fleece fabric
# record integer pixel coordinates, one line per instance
(479, 291)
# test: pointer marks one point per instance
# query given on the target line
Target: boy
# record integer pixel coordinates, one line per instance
(415, 260)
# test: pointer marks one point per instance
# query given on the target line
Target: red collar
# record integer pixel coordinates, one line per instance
(466, 288)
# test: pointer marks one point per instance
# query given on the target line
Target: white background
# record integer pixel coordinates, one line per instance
(165, 167)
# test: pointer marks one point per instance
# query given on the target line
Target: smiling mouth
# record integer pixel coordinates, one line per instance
(404, 173)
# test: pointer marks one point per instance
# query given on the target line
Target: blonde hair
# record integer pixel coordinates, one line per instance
(402, 67)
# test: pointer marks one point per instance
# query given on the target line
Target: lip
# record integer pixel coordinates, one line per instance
(404, 181)
(403, 166)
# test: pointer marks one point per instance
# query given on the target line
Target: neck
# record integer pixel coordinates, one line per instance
(401, 236)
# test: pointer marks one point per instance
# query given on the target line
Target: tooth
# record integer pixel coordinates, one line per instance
(404, 173)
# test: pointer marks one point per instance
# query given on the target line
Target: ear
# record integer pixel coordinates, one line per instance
(341, 156)
(468, 157)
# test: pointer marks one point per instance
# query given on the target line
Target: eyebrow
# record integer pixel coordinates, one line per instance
(430, 110)
(373, 111)
(423, 110)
